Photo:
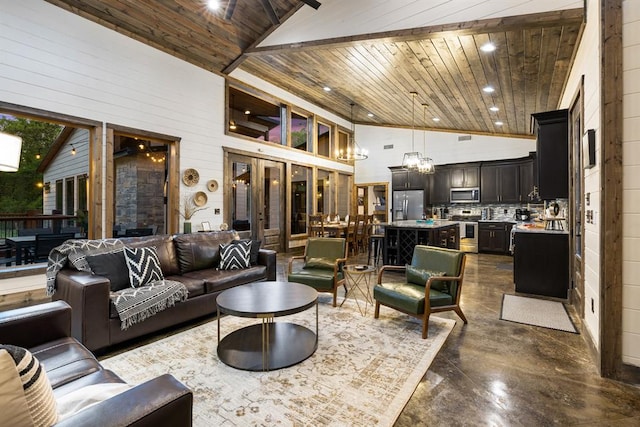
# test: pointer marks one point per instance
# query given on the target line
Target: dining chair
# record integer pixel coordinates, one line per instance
(44, 244)
(361, 231)
(316, 225)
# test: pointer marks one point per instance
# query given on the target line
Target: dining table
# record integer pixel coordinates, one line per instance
(335, 229)
(22, 243)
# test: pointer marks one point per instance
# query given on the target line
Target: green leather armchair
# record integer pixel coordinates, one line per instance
(322, 265)
(432, 284)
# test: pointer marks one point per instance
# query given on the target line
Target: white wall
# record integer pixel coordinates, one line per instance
(631, 183)
(587, 63)
(442, 147)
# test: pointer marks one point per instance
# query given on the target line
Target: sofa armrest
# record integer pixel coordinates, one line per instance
(267, 257)
(31, 326)
(88, 296)
(162, 401)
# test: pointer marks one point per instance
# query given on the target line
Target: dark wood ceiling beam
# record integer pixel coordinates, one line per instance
(313, 3)
(228, 12)
(536, 20)
(268, 8)
(242, 57)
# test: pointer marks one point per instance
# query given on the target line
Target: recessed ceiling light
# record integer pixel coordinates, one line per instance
(247, 112)
(369, 114)
(488, 47)
(435, 119)
(488, 89)
(327, 89)
(213, 4)
(494, 108)
(499, 123)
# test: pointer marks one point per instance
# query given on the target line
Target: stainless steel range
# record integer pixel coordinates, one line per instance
(468, 220)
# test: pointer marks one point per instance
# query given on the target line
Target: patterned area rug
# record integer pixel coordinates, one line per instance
(536, 312)
(363, 373)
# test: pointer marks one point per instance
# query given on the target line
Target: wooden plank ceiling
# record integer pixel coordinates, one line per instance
(443, 64)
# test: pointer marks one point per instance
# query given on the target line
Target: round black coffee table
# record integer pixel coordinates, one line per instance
(269, 345)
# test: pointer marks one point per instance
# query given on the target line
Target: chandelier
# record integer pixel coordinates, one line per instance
(353, 151)
(411, 160)
(426, 165)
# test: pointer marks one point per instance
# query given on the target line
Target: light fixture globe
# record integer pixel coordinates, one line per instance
(411, 161)
(10, 154)
(427, 166)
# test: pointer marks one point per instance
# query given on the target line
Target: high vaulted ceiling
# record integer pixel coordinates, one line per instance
(374, 53)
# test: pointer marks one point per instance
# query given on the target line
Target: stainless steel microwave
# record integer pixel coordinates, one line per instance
(465, 195)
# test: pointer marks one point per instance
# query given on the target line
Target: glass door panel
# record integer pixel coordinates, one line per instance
(270, 217)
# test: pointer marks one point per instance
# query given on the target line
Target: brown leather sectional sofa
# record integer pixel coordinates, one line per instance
(187, 258)
(45, 330)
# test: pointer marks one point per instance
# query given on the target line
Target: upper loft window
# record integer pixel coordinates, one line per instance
(324, 139)
(254, 117)
(300, 132)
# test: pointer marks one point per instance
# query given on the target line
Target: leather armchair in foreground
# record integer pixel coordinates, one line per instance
(45, 330)
(432, 283)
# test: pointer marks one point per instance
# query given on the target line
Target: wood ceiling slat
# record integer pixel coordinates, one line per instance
(438, 94)
(377, 70)
(549, 45)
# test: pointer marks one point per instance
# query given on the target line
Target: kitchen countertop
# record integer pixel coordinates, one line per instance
(437, 223)
(539, 228)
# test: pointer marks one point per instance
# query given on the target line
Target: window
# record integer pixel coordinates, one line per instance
(300, 198)
(59, 194)
(324, 139)
(69, 196)
(343, 142)
(254, 117)
(324, 193)
(344, 194)
(300, 132)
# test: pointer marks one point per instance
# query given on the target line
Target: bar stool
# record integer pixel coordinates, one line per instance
(376, 240)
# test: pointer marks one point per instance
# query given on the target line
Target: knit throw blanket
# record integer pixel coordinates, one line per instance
(132, 304)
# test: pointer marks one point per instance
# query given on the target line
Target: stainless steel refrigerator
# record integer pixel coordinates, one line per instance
(408, 204)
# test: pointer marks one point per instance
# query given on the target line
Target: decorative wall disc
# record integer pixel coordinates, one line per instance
(200, 199)
(212, 185)
(190, 177)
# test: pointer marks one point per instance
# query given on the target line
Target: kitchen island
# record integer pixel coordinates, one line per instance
(541, 261)
(400, 237)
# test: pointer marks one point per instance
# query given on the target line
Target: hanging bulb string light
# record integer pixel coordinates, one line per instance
(411, 160)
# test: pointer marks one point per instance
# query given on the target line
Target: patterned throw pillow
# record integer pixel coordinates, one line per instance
(235, 256)
(143, 265)
(34, 385)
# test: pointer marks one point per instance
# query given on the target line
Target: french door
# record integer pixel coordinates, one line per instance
(577, 204)
(256, 199)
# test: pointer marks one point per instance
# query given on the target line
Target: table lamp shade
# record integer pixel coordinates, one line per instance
(10, 146)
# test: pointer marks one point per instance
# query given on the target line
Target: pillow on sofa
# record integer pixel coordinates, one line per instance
(143, 265)
(255, 249)
(113, 266)
(23, 374)
(235, 255)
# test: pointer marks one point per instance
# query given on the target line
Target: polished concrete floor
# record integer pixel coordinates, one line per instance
(492, 372)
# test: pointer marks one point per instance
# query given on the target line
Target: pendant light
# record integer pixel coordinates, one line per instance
(10, 154)
(411, 160)
(353, 151)
(426, 165)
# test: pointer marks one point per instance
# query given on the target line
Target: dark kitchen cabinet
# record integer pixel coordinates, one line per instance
(493, 237)
(551, 129)
(440, 188)
(399, 242)
(464, 176)
(527, 181)
(407, 180)
(541, 263)
(499, 183)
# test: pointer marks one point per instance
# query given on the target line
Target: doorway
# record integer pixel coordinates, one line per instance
(256, 199)
(577, 202)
